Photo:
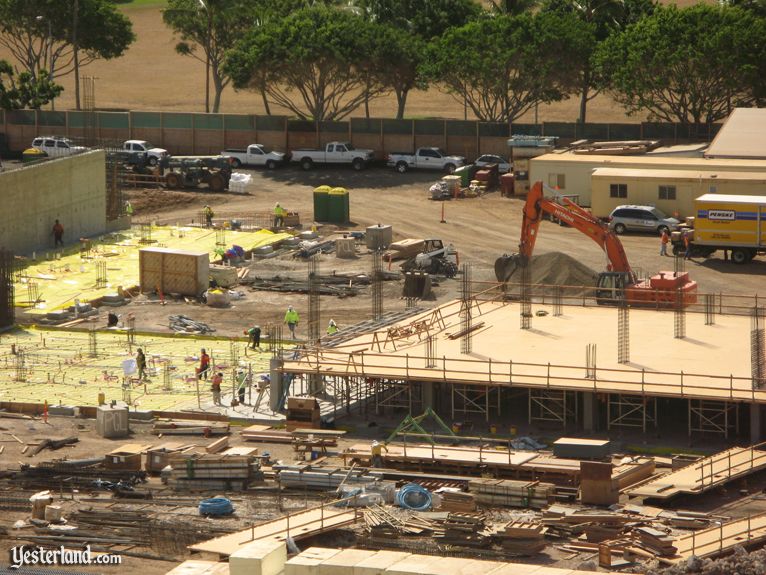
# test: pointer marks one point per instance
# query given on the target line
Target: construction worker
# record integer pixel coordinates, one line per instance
(291, 319)
(255, 336)
(58, 234)
(664, 239)
(216, 387)
(376, 450)
(128, 208)
(241, 385)
(207, 211)
(332, 327)
(204, 365)
(279, 215)
(141, 363)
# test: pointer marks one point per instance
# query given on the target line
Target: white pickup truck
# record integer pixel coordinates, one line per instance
(334, 153)
(57, 146)
(153, 155)
(425, 158)
(255, 155)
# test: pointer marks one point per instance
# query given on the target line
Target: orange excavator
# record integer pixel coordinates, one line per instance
(619, 282)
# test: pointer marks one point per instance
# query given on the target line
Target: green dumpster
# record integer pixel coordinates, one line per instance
(338, 206)
(465, 175)
(321, 203)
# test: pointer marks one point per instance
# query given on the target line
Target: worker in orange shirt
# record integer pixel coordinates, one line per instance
(664, 240)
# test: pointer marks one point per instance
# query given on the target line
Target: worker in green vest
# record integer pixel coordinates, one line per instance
(332, 327)
(279, 216)
(291, 319)
(128, 209)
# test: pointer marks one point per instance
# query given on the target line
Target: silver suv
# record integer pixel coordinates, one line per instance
(640, 219)
(57, 146)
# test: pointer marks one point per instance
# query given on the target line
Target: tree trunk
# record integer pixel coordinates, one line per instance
(584, 92)
(265, 101)
(401, 102)
(218, 87)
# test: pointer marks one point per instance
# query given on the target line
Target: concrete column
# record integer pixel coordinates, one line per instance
(276, 388)
(756, 427)
(589, 411)
(316, 384)
(428, 394)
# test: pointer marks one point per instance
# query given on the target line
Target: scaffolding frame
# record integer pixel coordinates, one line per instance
(554, 405)
(631, 411)
(715, 417)
(474, 399)
(397, 395)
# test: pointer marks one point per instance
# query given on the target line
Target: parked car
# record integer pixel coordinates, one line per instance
(640, 219)
(57, 146)
(334, 153)
(425, 158)
(503, 165)
(255, 155)
(154, 155)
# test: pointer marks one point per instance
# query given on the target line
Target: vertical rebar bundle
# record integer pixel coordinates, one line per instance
(7, 271)
(558, 296)
(220, 236)
(430, 351)
(89, 109)
(679, 313)
(377, 285)
(275, 340)
(623, 332)
(590, 361)
(757, 350)
(465, 310)
(314, 301)
(101, 273)
(409, 302)
(526, 296)
(679, 264)
(115, 184)
(709, 309)
(166, 382)
(20, 366)
(92, 343)
(33, 293)
(146, 234)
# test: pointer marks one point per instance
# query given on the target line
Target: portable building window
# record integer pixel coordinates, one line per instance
(557, 181)
(618, 190)
(667, 193)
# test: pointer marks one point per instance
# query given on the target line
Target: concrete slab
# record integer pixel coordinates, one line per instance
(308, 561)
(379, 562)
(343, 563)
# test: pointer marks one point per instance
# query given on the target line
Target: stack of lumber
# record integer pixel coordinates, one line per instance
(383, 525)
(521, 537)
(464, 529)
(511, 493)
(326, 478)
(567, 521)
(403, 249)
(212, 471)
(658, 542)
(265, 433)
(206, 428)
(457, 501)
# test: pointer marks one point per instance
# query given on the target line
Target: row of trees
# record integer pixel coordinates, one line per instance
(325, 59)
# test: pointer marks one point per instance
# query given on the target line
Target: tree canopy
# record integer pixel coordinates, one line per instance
(25, 91)
(40, 34)
(502, 66)
(689, 65)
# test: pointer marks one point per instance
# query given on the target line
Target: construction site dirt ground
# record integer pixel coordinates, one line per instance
(480, 228)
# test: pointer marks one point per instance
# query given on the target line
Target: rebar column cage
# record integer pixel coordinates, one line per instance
(757, 351)
(715, 417)
(7, 272)
(623, 332)
(558, 296)
(526, 296)
(220, 236)
(679, 316)
(709, 309)
(552, 405)
(314, 301)
(631, 411)
(481, 399)
(398, 395)
(465, 310)
(376, 286)
(431, 358)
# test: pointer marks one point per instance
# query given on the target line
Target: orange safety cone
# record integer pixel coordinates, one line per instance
(443, 221)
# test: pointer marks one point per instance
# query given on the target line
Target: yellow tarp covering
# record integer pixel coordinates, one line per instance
(267, 237)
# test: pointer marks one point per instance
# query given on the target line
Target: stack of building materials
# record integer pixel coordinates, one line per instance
(658, 542)
(265, 433)
(384, 525)
(403, 249)
(457, 501)
(212, 471)
(521, 537)
(205, 428)
(127, 457)
(464, 529)
(158, 456)
(512, 493)
(308, 477)
(576, 448)
(302, 412)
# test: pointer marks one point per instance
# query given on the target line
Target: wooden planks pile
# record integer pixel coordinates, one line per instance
(521, 537)
(512, 493)
(464, 529)
(211, 471)
(204, 428)
(656, 541)
(383, 525)
(457, 501)
(309, 477)
(265, 433)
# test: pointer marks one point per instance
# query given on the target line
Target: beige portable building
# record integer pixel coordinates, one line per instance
(571, 173)
(672, 191)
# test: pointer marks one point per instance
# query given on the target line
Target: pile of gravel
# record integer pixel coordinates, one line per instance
(738, 563)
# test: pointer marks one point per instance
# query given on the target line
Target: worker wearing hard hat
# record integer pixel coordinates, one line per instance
(376, 450)
(332, 327)
(279, 215)
(291, 319)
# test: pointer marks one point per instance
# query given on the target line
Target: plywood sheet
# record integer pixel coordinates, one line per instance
(343, 562)
(308, 561)
(379, 562)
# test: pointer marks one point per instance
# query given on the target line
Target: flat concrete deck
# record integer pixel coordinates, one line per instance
(711, 362)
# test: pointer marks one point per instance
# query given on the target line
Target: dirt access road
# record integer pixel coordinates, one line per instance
(481, 229)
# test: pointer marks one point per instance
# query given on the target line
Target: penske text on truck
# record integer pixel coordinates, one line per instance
(726, 222)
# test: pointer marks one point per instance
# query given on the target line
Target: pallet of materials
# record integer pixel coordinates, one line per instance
(323, 477)
(512, 493)
(212, 471)
(204, 428)
(158, 456)
(658, 542)
(456, 501)
(521, 537)
(464, 529)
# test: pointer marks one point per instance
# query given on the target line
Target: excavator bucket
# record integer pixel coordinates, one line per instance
(505, 266)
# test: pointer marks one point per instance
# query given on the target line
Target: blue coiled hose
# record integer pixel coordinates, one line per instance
(216, 506)
(413, 496)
